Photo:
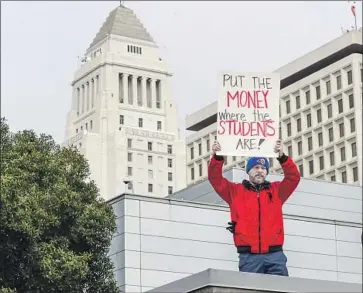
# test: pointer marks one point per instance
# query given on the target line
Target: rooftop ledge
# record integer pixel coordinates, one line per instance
(213, 281)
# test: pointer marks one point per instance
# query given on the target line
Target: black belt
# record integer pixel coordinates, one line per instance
(247, 249)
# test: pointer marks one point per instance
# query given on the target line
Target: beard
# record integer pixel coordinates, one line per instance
(258, 179)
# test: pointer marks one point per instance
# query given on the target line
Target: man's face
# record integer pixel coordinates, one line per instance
(258, 174)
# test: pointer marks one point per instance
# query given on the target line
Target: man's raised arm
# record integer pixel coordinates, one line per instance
(291, 174)
(221, 185)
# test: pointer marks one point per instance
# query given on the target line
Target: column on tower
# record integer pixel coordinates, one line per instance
(153, 91)
(143, 90)
(97, 86)
(78, 101)
(121, 88)
(83, 97)
(129, 86)
(134, 88)
(148, 92)
(93, 92)
(87, 96)
(158, 94)
(139, 91)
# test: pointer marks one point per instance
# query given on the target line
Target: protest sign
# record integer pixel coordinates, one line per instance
(248, 114)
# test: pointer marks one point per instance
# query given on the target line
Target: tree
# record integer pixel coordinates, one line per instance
(55, 231)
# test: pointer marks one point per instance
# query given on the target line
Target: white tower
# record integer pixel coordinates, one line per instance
(122, 116)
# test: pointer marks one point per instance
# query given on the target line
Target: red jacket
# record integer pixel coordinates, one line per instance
(257, 213)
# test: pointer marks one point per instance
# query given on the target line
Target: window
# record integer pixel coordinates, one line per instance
(192, 153)
(299, 147)
(352, 125)
(234, 158)
(86, 126)
(331, 134)
(318, 94)
(297, 99)
(310, 143)
(158, 126)
(129, 171)
(341, 129)
(150, 160)
(308, 120)
(311, 166)
(134, 49)
(271, 162)
(301, 170)
(122, 119)
(298, 124)
(342, 154)
(200, 167)
(170, 149)
(151, 174)
(200, 149)
(351, 101)
(350, 77)
(328, 87)
(332, 158)
(76, 130)
(208, 145)
(288, 129)
(332, 178)
(129, 157)
(321, 162)
(318, 115)
(141, 122)
(149, 146)
(170, 190)
(170, 176)
(340, 106)
(170, 163)
(354, 149)
(289, 150)
(344, 177)
(288, 107)
(81, 128)
(91, 124)
(129, 143)
(150, 187)
(307, 96)
(192, 173)
(339, 82)
(355, 174)
(330, 110)
(320, 138)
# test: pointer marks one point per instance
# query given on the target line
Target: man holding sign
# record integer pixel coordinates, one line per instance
(248, 118)
(256, 210)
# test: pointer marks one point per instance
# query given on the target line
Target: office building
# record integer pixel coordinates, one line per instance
(162, 240)
(122, 117)
(320, 116)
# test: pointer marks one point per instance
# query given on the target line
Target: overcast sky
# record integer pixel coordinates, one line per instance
(40, 42)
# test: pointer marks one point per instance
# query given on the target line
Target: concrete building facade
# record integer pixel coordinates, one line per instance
(161, 240)
(122, 116)
(320, 116)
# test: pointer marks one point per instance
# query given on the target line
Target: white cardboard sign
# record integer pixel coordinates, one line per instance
(248, 114)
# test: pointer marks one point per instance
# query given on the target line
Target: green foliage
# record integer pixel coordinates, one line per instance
(55, 231)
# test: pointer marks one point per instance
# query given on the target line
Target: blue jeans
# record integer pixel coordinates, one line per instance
(273, 263)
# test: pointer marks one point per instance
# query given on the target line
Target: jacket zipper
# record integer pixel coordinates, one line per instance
(259, 222)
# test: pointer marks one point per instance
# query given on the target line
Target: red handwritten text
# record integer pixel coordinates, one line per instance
(258, 128)
(248, 99)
